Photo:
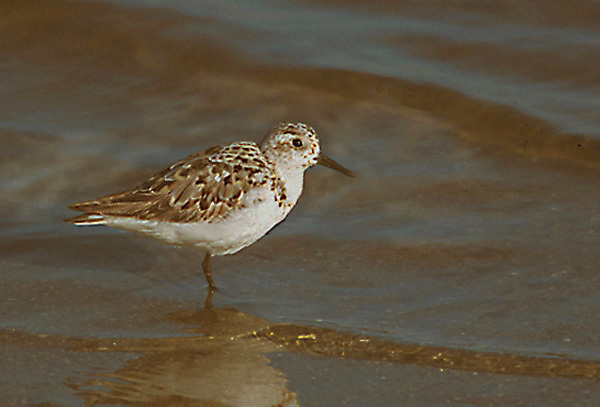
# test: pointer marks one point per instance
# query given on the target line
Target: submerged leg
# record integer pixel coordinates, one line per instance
(208, 272)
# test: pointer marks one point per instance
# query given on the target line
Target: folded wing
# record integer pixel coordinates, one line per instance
(202, 187)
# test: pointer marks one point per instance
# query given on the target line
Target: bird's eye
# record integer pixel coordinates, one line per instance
(297, 142)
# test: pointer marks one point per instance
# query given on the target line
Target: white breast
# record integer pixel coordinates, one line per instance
(237, 230)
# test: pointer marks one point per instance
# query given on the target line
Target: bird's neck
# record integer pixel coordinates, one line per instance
(294, 181)
(292, 178)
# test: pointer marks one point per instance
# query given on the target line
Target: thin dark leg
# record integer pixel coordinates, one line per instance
(208, 272)
(208, 301)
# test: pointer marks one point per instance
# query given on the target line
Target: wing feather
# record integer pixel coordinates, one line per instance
(202, 187)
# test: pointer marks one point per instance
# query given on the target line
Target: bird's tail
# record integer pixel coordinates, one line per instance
(87, 219)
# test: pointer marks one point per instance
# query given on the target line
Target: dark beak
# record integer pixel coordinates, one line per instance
(328, 162)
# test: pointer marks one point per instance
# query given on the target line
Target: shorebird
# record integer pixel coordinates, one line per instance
(220, 200)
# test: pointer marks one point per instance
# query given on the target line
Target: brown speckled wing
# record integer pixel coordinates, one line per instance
(202, 187)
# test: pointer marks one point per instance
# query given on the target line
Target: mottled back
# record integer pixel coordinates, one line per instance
(202, 187)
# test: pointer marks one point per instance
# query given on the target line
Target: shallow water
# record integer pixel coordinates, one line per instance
(458, 268)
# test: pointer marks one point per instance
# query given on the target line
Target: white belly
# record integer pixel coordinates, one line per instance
(223, 236)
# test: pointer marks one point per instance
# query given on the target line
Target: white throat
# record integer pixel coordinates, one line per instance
(294, 181)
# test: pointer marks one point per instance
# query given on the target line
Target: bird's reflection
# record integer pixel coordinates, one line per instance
(221, 366)
(220, 358)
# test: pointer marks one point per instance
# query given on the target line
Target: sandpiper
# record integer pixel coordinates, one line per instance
(220, 200)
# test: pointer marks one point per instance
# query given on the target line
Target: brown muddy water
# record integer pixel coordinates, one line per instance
(460, 268)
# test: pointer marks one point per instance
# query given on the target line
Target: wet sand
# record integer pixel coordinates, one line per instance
(459, 268)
